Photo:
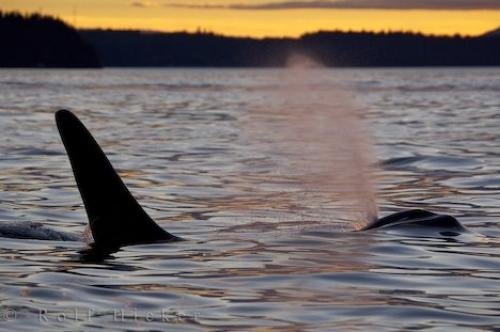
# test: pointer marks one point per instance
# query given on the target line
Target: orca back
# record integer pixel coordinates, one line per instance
(418, 218)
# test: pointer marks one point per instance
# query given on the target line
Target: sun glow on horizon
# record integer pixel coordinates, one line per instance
(116, 14)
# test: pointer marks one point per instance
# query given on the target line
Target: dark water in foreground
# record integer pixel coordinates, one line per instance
(261, 253)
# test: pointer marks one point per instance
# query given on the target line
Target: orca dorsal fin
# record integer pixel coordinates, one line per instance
(116, 219)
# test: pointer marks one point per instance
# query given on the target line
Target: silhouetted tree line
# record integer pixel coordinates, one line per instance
(42, 41)
(400, 49)
(365, 49)
(136, 48)
(36, 40)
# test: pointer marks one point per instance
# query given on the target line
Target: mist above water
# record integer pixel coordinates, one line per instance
(313, 131)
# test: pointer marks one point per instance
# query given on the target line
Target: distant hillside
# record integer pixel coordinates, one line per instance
(400, 49)
(137, 48)
(42, 41)
(493, 33)
(143, 49)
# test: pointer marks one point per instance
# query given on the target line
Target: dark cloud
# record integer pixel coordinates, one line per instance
(139, 4)
(353, 4)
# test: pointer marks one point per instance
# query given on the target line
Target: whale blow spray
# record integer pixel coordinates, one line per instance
(313, 131)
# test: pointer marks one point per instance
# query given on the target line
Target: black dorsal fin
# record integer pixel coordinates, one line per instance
(116, 219)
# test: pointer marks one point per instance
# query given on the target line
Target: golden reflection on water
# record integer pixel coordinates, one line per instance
(267, 247)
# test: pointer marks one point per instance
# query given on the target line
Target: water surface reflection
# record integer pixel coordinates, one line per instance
(262, 252)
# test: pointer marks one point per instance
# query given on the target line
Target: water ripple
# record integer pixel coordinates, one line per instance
(260, 253)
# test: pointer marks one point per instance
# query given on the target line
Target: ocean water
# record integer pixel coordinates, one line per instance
(264, 251)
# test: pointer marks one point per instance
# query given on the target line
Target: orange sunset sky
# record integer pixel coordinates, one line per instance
(260, 18)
